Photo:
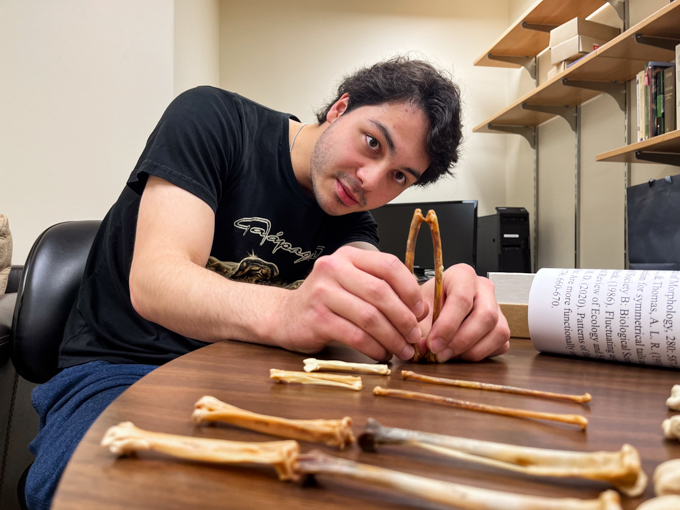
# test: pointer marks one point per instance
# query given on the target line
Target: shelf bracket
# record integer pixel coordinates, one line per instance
(666, 43)
(528, 132)
(619, 6)
(528, 63)
(568, 113)
(614, 89)
(537, 27)
(665, 158)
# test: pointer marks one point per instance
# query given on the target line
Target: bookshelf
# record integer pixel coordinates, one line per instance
(659, 149)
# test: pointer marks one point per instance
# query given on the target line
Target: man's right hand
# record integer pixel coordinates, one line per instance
(363, 298)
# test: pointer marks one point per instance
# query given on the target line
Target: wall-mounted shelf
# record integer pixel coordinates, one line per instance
(659, 149)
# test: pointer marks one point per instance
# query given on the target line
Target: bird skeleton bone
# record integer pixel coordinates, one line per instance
(431, 220)
(343, 381)
(667, 478)
(455, 495)
(312, 365)
(661, 503)
(671, 427)
(622, 469)
(673, 401)
(126, 439)
(331, 432)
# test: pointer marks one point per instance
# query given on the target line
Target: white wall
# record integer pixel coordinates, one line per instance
(290, 56)
(82, 85)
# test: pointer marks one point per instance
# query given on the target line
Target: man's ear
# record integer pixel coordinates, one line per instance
(338, 108)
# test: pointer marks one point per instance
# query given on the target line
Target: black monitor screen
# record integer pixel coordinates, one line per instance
(457, 223)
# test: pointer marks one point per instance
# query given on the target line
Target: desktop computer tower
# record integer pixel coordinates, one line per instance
(503, 242)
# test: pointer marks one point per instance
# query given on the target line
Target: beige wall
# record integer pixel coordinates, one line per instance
(83, 83)
(290, 56)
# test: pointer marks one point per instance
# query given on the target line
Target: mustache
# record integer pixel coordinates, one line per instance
(354, 185)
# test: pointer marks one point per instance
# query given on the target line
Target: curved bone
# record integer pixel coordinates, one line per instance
(312, 365)
(331, 432)
(455, 495)
(622, 469)
(342, 381)
(673, 401)
(125, 438)
(671, 427)
(667, 478)
(661, 503)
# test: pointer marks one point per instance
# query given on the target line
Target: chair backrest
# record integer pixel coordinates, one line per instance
(47, 290)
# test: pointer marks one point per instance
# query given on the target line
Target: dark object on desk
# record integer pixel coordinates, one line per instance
(503, 242)
(458, 225)
(654, 224)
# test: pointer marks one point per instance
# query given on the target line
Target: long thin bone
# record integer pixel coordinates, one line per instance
(312, 365)
(622, 469)
(125, 439)
(455, 495)
(431, 220)
(573, 419)
(407, 374)
(332, 432)
(343, 381)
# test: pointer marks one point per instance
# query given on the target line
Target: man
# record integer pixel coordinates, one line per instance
(228, 193)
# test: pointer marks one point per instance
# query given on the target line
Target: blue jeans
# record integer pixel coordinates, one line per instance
(67, 405)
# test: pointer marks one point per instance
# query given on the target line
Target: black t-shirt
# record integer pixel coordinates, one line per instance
(233, 154)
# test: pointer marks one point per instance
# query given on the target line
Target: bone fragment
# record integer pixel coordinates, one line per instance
(671, 427)
(673, 401)
(331, 432)
(125, 439)
(667, 478)
(573, 419)
(343, 381)
(661, 503)
(431, 220)
(455, 495)
(312, 365)
(622, 469)
(407, 374)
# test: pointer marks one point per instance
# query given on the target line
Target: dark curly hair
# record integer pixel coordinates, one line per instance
(433, 91)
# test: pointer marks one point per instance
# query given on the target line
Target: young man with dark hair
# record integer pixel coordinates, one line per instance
(228, 193)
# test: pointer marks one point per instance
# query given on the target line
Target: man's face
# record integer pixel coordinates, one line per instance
(368, 156)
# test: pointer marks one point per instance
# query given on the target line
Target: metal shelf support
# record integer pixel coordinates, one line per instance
(666, 43)
(537, 27)
(568, 113)
(614, 89)
(528, 63)
(619, 5)
(528, 132)
(665, 158)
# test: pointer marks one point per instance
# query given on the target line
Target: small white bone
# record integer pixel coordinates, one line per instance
(332, 432)
(667, 478)
(313, 365)
(673, 401)
(661, 503)
(671, 427)
(343, 381)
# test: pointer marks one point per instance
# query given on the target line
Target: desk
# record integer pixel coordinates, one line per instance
(628, 406)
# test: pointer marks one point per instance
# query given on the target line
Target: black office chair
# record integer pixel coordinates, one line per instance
(47, 290)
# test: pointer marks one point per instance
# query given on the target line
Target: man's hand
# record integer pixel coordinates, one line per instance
(470, 325)
(365, 299)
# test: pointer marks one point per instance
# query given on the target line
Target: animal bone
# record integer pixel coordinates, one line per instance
(574, 419)
(671, 427)
(673, 401)
(312, 365)
(332, 432)
(343, 381)
(667, 478)
(125, 439)
(407, 374)
(455, 495)
(622, 469)
(661, 503)
(431, 220)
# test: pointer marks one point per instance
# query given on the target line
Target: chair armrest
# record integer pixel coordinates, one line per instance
(14, 279)
(7, 302)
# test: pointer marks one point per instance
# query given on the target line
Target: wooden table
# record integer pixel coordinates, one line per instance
(628, 406)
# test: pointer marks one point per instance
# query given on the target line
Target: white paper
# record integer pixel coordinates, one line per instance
(615, 315)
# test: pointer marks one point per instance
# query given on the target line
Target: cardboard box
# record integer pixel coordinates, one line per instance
(512, 293)
(557, 69)
(518, 319)
(580, 26)
(574, 48)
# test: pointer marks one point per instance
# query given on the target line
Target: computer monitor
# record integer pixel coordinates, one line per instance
(457, 224)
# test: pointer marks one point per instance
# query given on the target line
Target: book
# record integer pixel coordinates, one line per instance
(669, 99)
(613, 315)
(640, 90)
(677, 87)
(653, 83)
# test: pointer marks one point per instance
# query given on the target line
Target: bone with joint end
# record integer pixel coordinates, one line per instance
(455, 495)
(342, 381)
(622, 469)
(331, 432)
(661, 503)
(667, 478)
(407, 374)
(671, 427)
(125, 438)
(573, 419)
(312, 365)
(673, 401)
